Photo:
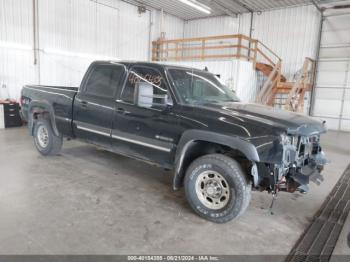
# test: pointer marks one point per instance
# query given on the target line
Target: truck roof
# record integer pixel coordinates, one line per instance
(157, 65)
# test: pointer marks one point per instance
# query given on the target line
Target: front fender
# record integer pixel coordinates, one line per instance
(191, 136)
(269, 148)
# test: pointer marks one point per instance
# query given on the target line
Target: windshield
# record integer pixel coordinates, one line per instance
(201, 87)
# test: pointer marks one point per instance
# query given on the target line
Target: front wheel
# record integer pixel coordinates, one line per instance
(45, 140)
(217, 188)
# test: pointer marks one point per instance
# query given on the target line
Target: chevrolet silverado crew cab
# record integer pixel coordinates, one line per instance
(184, 120)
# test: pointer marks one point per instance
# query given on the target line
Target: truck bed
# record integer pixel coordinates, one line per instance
(59, 98)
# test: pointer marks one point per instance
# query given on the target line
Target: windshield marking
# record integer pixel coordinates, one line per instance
(144, 79)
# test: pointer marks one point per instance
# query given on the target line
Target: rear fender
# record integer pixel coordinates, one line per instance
(41, 107)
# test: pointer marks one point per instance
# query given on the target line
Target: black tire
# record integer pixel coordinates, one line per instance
(53, 143)
(238, 188)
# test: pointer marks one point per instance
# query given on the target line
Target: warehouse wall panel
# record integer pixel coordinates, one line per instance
(85, 31)
(58, 70)
(332, 99)
(16, 68)
(16, 38)
(16, 22)
(171, 25)
(72, 34)
(292, 33)
(107, 28)
(244, 23)
(222, 25)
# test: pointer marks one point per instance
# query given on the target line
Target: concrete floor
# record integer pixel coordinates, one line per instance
(88, 201)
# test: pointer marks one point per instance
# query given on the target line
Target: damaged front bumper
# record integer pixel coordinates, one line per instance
(311, 172)
(303, 161)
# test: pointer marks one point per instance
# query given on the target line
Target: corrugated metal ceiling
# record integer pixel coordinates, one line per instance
(222, 7)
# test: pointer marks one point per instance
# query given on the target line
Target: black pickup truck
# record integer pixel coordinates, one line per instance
(184, 120)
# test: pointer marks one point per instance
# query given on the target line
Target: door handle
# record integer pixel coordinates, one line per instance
(121, 110)
(83, 103)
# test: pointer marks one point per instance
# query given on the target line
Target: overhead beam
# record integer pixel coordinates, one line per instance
(238, 2)
(317, 6)
(222, 8)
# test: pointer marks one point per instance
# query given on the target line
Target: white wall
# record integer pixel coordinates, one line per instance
(223, 25)
(16, 56)
(332, 92)
(72, 33)
(171, 25)
(292, 33)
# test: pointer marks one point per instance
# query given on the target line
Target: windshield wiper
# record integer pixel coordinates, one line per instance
(231, 100)
(211, 101)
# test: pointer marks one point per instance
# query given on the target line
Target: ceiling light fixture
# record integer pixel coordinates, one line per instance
(203, 8)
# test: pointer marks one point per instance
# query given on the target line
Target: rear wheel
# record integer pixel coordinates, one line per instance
(217, 188)
(45, 140)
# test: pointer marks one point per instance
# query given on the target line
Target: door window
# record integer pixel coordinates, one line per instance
(104, 80)
(151, 84)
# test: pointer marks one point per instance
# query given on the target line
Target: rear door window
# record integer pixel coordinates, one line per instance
(104, 80)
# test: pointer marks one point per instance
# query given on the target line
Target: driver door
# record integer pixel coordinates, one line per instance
(144, 125)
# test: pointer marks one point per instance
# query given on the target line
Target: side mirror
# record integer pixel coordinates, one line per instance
(144, 94)
(147, 99)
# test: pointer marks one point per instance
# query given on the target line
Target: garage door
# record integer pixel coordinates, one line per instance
(332, 92)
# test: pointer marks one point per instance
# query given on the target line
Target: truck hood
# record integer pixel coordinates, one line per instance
(292, 123)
